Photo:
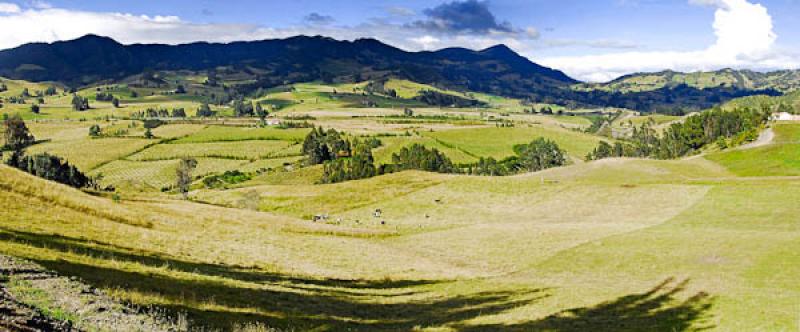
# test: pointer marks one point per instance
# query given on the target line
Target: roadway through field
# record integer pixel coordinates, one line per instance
(764, 138)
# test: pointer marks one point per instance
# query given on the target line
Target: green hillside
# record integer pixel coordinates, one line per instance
(785, 81)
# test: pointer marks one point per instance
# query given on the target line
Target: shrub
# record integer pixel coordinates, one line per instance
(227, 178)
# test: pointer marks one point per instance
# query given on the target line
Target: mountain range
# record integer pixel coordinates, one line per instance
(497, 70)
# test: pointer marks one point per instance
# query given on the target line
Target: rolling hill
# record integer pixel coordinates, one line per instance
(783, 80)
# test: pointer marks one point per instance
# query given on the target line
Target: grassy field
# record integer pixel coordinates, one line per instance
(499, 142)
(242, 150)
(392, 145)
(88, 153)
(154, 175)
(227, 133)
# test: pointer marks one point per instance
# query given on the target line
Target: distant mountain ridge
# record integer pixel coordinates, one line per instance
(93, 58)
(496, 70)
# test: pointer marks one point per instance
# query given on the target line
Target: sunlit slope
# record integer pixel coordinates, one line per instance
(781, 157)
(513, 253)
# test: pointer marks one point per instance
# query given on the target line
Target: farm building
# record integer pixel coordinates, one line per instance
(785, 116)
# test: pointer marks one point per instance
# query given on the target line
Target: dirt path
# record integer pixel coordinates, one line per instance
(90, 309)
(764, 138)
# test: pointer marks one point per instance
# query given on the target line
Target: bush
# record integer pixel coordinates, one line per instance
(224, 179)
(94, 131)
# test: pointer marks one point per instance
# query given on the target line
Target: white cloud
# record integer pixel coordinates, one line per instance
(54, 24)
(40, 4)
(9, 8)
(744, 32)
(427, 42)
(745, 38)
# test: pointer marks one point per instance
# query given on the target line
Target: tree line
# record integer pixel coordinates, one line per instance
(725, 128)
(436, 98)
(178, 112)
(344, 160)
(539, 154)
(50, 167)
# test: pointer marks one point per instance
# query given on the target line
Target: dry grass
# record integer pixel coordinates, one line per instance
(240, 150)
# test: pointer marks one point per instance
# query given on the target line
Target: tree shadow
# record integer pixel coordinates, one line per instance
(655, 310)
(107, 251)
(215, 297)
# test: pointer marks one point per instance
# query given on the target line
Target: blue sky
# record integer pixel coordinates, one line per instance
(591, 40)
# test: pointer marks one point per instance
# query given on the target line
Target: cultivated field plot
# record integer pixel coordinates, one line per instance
(392, 145)
(176, 130)
(229, 133)
(58, 131)
(499, 142)
(242, 150)
(158, 174)
(88, 153)
(266, 164)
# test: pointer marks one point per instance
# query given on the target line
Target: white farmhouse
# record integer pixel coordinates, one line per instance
(785, 116)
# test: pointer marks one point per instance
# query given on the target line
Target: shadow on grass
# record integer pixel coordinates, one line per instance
(655, 310)
(106, 251)
(219, 296)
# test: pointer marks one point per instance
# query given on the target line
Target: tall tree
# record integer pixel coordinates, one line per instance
(79, 103)
(261, 113)
(17, 136)
(541, 154)
(184, 175)
(205, 111)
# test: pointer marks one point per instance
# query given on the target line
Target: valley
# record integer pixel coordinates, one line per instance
(432, 208)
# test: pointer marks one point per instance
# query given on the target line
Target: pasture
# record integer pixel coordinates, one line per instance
(499, 142)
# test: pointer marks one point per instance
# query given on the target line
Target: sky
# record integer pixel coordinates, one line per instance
(591, 40)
